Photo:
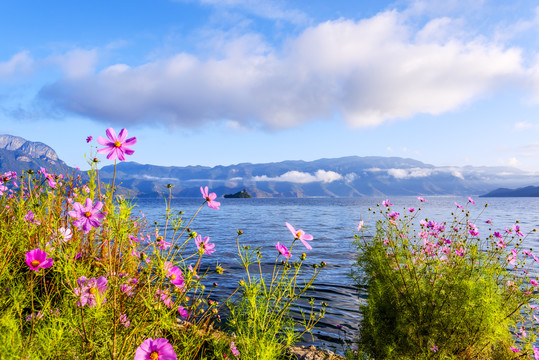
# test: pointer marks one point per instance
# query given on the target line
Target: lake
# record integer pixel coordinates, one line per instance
(333, 223)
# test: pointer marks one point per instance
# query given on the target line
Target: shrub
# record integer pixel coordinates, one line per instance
(443, 291)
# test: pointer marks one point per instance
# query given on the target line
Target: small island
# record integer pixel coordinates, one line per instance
(239, 195)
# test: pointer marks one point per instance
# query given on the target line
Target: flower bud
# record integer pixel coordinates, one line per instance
(303, 256)
(240, 232)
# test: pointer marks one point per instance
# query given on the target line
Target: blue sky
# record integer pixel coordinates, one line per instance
(209, 82)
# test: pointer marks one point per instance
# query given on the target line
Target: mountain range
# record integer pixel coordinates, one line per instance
(352, 176)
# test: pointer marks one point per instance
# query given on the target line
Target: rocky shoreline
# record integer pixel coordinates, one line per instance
(312, 353)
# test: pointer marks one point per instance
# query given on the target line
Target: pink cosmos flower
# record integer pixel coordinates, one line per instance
(512, 257)
(235, 351)
(162, 244)
(421, 199)
(360, 225)
(534, 282)
(434, 348)
(516, 228)
(64, 234)
(501, 244)
(31, 218)
(124, 320)
(411, 209)
(49, 177)
(283, 250)
(87, 216)
(176, 277)
(183, 312)
(88, 139)
(164, 296)
(91, 291)
(37, 259)
(488, 221)
(116, 146)
(127, 289)
(203, 245)
(386, 203)
(514, 349)
(210, 198)
(300, 235)
(393, 215)
(459, 206)
(471, 200)
(536, 353)
(158, 349)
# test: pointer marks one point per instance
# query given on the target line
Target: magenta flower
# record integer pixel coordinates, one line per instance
(300, 235)
(512, 257)
(87, 216)
(49, 177)
(116, 146)
(411, 209)
(162, 244)
(517, 350)
(127, 289)
(393, 215)
(534, 282)
(203, 246)
(471, 200)
(235, 351)
(37, 259)
(210, 198)
(360, 225)
(164, 296)
(88, 139)
(183, 312)
(536, 353)
(175, 275)
(158, 349)
(124, 320)
(283, 250)
(387, 203)
(91, 291)
(421, 199)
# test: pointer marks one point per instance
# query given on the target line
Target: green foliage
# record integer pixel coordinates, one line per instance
(260, 317)
(440, 291)
(111, 286)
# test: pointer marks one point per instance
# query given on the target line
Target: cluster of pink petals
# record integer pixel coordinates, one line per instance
(174, 274)
(235, 351)
(155, 349)
(124, 320)
(183, 312)
(283, 250)
(164, 296)
(204, 246)
(300, 235)
(49, 177)
(37, 259)
(386, 203)
(116, 146)
(210, 198)
(87, 216)
(91, 292)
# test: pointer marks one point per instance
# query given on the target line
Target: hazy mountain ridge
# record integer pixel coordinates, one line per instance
(18, 154)
(351, 176)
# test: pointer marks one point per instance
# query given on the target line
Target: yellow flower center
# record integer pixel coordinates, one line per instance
(35, 263)
(118, 144)
(298, 234)
(173, 276)
(88, 214)
(154, 356)
(93, 290)
(208, 198)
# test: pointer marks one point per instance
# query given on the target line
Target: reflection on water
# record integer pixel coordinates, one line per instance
(333, 223)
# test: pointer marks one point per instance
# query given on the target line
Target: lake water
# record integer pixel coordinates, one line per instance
(333, 223)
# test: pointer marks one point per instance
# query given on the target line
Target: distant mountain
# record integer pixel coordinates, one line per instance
(18, 154)
(528, 191)
(351, 176)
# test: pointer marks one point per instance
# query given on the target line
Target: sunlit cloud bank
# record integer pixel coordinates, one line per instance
(365, 72)
(302, 177)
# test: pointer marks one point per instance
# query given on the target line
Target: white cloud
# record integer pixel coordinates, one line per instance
(302, 177)
(410, 173)
(76, 63)
(366, 71)
(19, 63)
